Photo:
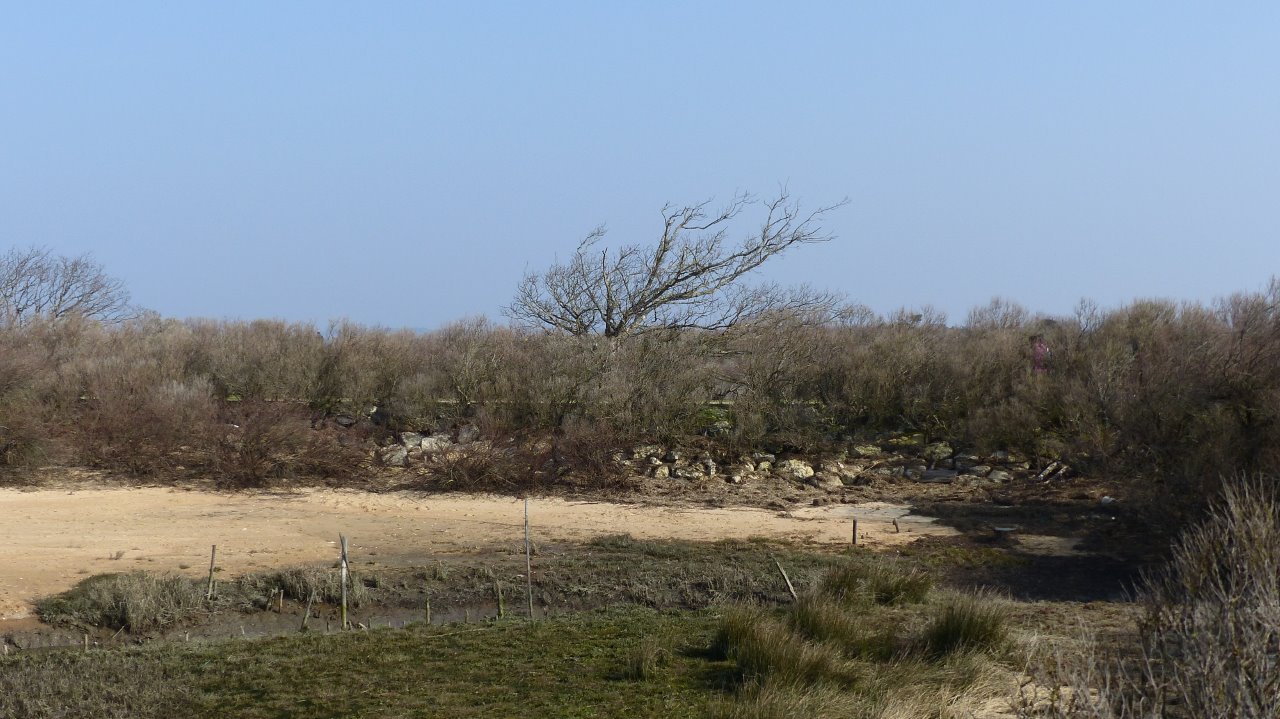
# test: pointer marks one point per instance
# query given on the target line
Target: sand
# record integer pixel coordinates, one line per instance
(53, 538)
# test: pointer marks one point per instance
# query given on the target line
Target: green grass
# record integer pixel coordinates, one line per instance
(862, 644)
(570, 667)
(866, 640)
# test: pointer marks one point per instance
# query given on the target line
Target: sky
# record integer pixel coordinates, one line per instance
(403, 164)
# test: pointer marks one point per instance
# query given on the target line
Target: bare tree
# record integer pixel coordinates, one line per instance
(37, 284)
(689, 279)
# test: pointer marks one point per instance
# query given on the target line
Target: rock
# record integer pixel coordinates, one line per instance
(733, 479)
(759, 457)
(468, 433)
(1107, 501)
(646, 451)
(858, 480)
(914, 473)
(671, 456)
(412, 440)
(938, 476)
(344, 421)
(689, 473)
(709, 466)
(1048, 471)
(980, 470)
(937, 451)
(829, 482)
(999, 475)
(796, 469)
(395, 456)
(764, 466)
(662, 471)
(653, 461)
(865, 450)
(437, 443)
(831, 467)
(965, 462)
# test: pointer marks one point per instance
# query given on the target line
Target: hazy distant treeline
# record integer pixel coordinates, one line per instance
(1174, 393)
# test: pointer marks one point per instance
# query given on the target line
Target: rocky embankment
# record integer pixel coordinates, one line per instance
(900, 458)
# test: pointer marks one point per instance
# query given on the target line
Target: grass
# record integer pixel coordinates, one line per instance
(137, 602)
(302, 583)
(967, 623)
(861, 642)
(840, 649)
(567, 667)
(821, 619)
(876, 582)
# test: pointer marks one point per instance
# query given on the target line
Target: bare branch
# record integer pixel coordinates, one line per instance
(36, 285)
(689, 279)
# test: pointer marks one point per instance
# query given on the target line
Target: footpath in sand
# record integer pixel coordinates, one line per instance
(53, 538)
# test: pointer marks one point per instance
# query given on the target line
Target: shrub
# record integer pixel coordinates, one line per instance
(259, 443)
(1212, 619)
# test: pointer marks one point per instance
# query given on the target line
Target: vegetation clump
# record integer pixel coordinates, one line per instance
(136, 602)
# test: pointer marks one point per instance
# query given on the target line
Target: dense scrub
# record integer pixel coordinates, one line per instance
(1172, 395)
(1209, 639)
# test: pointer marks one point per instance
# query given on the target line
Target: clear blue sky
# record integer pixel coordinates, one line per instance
(404, 163)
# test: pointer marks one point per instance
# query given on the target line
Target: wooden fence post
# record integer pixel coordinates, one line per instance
(342, 542)
(528, 559)
(786, 579)
(213, 558)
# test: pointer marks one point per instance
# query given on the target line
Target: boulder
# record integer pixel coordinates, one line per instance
(709, 466)
(937, 451)
(759, 457)
(662, 471)
(411, 440)
(468, 433)
(980, 470)
(938, 476)
(688, 473)
(865, 450)
(999, 476)
(830, 466)
(829, 482)
(395, 456)
(646, 451)
(796, 469)
(436, 443)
